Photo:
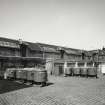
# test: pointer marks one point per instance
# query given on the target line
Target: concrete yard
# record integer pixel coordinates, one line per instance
(60, 91)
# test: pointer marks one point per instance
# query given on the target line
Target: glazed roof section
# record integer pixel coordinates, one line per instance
(48, 48)
(54, 48)
(73, 51)
(34, 46)
(11, 43)
(5, 42)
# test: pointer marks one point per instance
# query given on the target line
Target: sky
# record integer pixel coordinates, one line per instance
(78, 24)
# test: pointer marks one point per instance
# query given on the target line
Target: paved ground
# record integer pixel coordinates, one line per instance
(63, 91)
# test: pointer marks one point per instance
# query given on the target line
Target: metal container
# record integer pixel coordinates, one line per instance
(11, 73)
(30, 74)
(76, 71)
(83, 71)
(24, 74)
(18, 73)
(92, 71)
(40, 75)
(21, 73)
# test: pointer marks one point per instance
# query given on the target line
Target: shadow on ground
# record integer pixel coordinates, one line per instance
(9, 85)
(49, 83)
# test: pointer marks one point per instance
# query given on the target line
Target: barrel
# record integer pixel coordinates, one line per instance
(24, 74)
(83, 71)
(40, 75)
(11, 73)
(21, 73)
(30, 74)
(76, 71)
(18, 73)
(92, 71)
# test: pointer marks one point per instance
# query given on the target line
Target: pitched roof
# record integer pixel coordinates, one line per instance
(48, 48)
(41, 46)
(72, 51)
(9, 40)
(54, 48)
(34, 46)
(5, 42)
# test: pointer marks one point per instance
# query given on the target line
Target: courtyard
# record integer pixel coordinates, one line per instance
(59, 91)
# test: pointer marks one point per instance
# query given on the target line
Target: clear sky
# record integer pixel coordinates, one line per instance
(73, 23)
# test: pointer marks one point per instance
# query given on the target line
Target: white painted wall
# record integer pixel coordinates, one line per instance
(103, 68)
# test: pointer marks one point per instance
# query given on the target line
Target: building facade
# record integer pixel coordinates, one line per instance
(18, 53)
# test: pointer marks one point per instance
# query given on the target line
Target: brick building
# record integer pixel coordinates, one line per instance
(17, 48)
(17, 53)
